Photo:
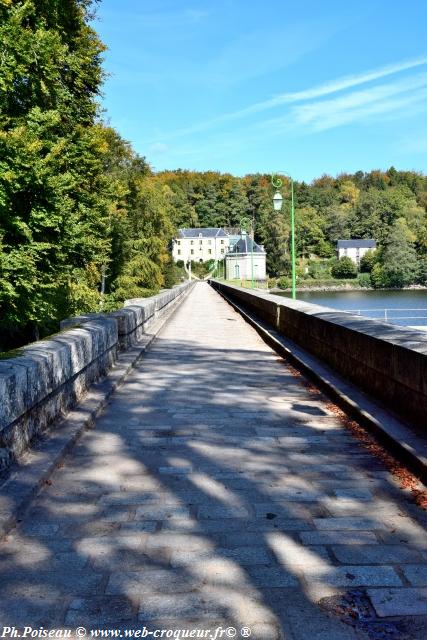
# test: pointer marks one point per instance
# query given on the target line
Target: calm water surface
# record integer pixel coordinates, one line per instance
(407, 308)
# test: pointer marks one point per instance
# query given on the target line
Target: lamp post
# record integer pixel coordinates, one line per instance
(245, 223)
(277, 203)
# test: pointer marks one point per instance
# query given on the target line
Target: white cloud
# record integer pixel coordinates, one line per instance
(333, 86)
(327, 114)
(323, 90)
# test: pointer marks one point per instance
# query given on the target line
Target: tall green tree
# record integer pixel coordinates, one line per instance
(398, 259)
(53, 208)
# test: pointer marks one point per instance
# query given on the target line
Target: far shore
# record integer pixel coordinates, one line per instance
(345, 287)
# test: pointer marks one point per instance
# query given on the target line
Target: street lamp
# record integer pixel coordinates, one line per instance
(244, 224)
(277, 203)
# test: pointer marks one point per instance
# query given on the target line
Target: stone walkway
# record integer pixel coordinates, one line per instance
(216, 490)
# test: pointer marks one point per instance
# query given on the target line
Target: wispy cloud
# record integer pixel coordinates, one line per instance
(358, 105)
(318, 91)
(347, 82)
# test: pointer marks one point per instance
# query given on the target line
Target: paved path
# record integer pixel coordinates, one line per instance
(215, 490)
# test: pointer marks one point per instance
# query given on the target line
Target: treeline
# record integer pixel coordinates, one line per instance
(85, 223)
(388, 206)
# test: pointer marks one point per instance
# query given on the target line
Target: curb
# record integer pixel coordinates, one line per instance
(26, 476)
(398, 438)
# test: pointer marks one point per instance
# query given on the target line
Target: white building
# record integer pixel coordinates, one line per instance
(200, 245)
(244, 259)
(355, 249)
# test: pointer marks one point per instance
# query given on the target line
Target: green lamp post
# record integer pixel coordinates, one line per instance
(277, 204)
(245, 223)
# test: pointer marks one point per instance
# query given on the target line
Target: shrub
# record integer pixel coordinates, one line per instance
(344, 268)
(378, 277)
(367, 262)
(365, 280)
(284, 282)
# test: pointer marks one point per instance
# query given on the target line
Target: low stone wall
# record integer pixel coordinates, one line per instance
(42, 381)
(387, 361)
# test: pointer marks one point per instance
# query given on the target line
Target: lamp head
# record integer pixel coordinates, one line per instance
(277, 201)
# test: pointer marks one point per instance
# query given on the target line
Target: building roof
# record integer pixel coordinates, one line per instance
(234, 239)
(363, 243)
(246, 245)
(202, 232)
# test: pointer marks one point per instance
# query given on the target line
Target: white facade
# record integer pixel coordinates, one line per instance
(200, 245)
(354, 249)
(239, 266)
(246, 260)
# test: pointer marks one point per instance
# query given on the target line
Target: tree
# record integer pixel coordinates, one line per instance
(275, 238)
(53, 202)
(398, 259)
(337, 223)
(344, 268)
(367, 262)
(422, 270)
(309, 234)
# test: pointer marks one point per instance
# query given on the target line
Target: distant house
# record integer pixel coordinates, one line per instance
(355, 249)
(200, 244)
(244, 258)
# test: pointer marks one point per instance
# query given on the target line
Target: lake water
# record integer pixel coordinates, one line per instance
(407, 308)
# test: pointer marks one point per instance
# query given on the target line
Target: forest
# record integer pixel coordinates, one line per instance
(85, 222)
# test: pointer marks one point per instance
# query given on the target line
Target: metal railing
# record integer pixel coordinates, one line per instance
(388, 314)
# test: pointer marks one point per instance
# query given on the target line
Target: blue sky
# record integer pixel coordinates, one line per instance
(307, 87)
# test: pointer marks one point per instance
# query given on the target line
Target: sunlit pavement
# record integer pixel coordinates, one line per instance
(217, 490)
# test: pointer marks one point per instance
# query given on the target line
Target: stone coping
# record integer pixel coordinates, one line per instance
(388, 361)
(42, 380)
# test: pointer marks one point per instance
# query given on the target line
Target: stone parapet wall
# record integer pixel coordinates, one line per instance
(42, 381)
(387, 361)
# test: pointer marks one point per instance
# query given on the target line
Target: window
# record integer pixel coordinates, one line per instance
(209, 241)
(191, 241)
(209, 251)
(222, 250)
(236, 271)
(178, 242)
(222, 241)
(192, 251)
(179, 252)
(200, 241)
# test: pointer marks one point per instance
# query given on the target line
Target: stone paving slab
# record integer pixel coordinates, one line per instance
(214, 489)
(399, 602)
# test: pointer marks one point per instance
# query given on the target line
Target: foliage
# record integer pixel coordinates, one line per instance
(367, 261)
(344, 268)
(76, 202)
(284, 282)
(422, 271)
(320, 269)
(364, 280)
(53, 211)
(84, 222)
(201, 269)
(398, 260)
